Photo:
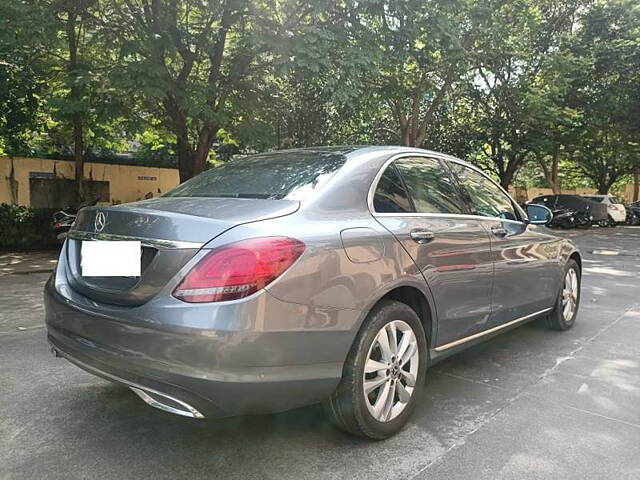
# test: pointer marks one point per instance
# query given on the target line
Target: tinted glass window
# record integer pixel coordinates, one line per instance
(283, 175)
(430, 185)
(485, 197)
(390, 196)
(594, 199)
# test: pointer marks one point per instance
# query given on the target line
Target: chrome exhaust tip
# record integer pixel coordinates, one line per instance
(167, 403)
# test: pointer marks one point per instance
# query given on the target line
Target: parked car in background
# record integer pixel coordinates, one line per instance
(633, 213)
(334, 275)
(616, 213)
(570, 211)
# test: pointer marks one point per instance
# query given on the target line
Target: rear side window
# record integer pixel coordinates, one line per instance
(391, 196)
(486, 198)
(281, 175)
(430, 185)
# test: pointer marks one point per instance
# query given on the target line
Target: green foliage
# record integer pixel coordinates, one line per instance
(541, 92)
(23, 228)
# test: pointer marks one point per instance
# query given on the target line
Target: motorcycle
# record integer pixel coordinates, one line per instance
(63, 219)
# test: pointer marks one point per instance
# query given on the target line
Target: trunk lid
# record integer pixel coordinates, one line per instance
(171, 231)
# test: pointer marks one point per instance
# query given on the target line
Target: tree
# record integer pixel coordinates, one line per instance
(607, 93)
(413, 54)
(508, 89)
(21, 86)
(187, 60)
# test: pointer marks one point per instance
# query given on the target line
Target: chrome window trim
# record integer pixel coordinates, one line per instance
(147, 242)
(445, 158)
(497, 328)
(463, 216)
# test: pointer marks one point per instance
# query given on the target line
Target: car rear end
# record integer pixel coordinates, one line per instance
(197, 332)
(617, 210)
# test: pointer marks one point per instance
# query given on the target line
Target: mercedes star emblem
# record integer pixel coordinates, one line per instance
(100, 221)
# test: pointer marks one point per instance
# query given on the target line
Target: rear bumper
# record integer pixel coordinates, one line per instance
(198, 370)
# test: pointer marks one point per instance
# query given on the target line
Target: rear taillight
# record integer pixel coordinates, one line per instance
(239, 269)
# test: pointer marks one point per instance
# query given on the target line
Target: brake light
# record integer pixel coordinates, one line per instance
(239, 269)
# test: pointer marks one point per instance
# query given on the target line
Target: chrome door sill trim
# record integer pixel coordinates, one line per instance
(487, 332)
(140, 390)
(147, 242)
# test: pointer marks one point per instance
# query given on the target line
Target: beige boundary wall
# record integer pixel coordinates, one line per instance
(127, 183)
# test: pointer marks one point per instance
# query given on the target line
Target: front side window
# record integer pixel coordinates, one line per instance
(486, 198)
(430, 185)
(391, 196)
(281, 175)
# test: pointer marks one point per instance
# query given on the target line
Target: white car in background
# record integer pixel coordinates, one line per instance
(615, 208)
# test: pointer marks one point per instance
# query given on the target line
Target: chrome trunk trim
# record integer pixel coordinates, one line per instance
(455, 343)
(146, 242)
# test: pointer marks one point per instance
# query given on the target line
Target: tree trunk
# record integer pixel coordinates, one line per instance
(505, 180)
(636, 184)
(78, 157)
(507, 175)
(551, 173)
(75, 97)
(185, 158)
(605, 184)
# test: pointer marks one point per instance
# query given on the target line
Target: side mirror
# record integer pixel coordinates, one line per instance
(538, 214)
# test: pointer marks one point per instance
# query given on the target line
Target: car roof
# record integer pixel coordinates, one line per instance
(362, 152)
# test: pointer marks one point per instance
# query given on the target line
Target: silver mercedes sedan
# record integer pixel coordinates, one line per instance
(334, 275)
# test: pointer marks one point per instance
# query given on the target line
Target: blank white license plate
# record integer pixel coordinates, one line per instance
(99, 258)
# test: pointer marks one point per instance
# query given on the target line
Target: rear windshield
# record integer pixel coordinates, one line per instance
(279, 175)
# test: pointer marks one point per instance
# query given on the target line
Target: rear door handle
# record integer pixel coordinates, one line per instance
(422, 236)
(499, 231)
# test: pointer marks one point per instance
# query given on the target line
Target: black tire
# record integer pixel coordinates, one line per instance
(611, 222)
(556, 320)
(346, 407)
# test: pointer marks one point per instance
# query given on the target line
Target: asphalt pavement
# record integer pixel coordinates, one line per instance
(529, 404)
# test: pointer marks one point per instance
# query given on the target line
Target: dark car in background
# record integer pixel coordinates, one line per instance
(571, 211)
(633, 213)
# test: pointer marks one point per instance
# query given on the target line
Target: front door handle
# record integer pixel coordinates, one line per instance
(422, 236)
(499, 231)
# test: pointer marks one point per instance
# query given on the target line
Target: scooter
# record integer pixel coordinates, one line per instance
(63, 219)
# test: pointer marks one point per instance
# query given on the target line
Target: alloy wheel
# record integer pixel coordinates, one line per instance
(569, 294)
(390, 370)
